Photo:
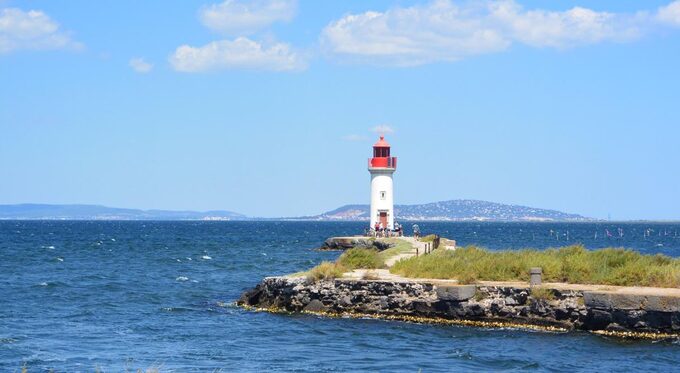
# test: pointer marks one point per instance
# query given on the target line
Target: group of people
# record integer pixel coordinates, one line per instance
(380, 231)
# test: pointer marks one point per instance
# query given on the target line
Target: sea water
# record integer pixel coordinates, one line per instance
(120, 296)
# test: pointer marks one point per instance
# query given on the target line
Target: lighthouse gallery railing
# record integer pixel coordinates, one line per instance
(382, 162)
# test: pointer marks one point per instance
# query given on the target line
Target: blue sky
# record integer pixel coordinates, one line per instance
(268, 107)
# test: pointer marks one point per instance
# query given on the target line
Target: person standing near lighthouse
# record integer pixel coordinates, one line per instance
(382, 166)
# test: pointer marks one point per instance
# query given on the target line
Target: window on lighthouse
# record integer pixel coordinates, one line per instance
(383, 195)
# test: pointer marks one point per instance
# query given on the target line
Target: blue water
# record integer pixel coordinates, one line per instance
(77, 296)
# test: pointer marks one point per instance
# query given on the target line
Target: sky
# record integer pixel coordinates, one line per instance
(270, 107)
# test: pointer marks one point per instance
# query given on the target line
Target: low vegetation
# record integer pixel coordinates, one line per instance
(361, 258)
(356, 258)
(428, 238)
(326, 271)
(399, 247)
(572, 264)
(370, 275)
(541, 293)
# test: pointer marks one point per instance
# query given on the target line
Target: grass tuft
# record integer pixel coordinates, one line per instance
(361, 258)
(542, 294)
(572, 264)
(326, 271)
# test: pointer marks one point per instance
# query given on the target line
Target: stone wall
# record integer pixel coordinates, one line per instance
(633, 312)
(568, 309)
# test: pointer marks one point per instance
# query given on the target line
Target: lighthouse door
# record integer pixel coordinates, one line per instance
(383, 218)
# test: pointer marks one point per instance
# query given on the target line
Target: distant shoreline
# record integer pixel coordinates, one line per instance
(352, 221)
(452, 210)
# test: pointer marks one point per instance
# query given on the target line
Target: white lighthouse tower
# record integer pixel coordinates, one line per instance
(381, 167)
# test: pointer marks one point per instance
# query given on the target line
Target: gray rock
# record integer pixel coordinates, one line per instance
(346, 301)
(597, 319)
(627, 301)
(609, 301)
(640, 325)
(659, 320)
(614, 327)
(597, 300)
(456, 293)
(510, 301)
(316, 306)
(562, 314)
(538, 307)
(662, 304)
(675, 321)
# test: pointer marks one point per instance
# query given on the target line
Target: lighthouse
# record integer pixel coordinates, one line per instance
(382, 166)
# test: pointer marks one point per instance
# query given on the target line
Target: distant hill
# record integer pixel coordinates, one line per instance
(456, 210)
(94, 212)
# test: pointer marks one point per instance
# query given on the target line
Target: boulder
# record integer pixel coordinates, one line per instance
(456, 293)
(316, 306)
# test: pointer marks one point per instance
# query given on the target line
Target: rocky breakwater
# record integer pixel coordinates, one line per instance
(346, 243)
(493, 305)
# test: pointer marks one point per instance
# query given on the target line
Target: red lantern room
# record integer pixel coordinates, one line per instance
(381, 156)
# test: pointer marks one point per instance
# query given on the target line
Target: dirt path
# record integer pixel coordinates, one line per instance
(384, 274)
(414, 243)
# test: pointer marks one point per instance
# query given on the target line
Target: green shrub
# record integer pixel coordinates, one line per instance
(361, 258)
(326, 271)
(572, 264)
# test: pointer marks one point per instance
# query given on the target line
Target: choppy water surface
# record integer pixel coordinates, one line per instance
(75, 296)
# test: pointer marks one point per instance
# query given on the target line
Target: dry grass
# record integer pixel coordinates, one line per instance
(326, 271)
(572, 264)
(370, 275)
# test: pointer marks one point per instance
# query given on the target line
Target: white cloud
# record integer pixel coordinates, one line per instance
(670, 14)
(241, 53)
(440, 31)
(445, 31)
(570, 28)
(383, 129)
(244, 17)
(31, 30)
(140, 65)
